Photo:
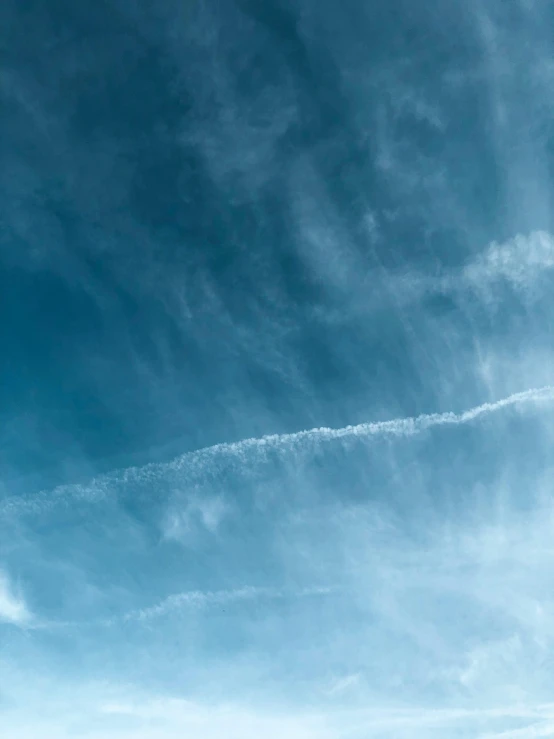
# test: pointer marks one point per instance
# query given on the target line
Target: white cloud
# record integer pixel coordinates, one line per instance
(217, 721)
(519, 261)
(113, 713)
(12, 606)
(198, 514)
(249, 451)
(204, 598)
(344, 684)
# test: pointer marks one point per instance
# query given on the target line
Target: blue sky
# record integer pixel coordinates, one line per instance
(276, 379)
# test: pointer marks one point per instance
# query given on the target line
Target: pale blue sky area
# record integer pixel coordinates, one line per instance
(276, 369)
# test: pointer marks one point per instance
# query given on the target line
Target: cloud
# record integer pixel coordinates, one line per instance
(13, 609)
(282, 221)
(249, 451)
(197, 515)
(116, 711)
(200, 599)
(344, 684)
(519, 261)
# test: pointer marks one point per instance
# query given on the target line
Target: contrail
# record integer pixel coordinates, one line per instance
(195, 599)
(247, 451)
(190, 600)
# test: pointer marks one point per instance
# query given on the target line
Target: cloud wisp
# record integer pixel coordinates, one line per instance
(518, 261)
(248, 451)
(201, 599)
(192, 600)
(13, 609)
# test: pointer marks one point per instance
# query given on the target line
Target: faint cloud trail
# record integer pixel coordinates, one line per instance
(247, 450)
(193, 600)
(201, 598)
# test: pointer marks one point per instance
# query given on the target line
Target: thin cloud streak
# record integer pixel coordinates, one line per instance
(191, 600)
(199, 461)
(199, 599)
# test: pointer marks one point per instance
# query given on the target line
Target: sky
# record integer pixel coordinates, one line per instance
(276, 369)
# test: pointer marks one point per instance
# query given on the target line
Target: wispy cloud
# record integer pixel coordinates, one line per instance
(249, 451)
(519, 261)
(13, 609)
(245, 218)
(342, 684)
(114, 711)
(200, 599)
(189, 517)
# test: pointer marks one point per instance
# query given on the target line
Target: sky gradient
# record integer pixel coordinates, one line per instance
(277, 369)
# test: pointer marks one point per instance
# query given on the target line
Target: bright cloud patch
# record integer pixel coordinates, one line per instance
(12, 607)
(519, 261)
